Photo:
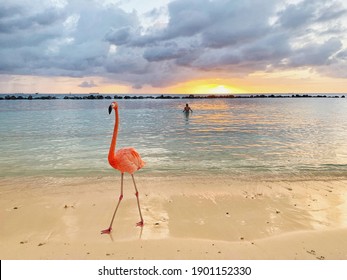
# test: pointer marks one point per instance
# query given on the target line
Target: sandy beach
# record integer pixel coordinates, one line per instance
(185, 218)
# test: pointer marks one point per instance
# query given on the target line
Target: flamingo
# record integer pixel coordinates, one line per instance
(125, 160)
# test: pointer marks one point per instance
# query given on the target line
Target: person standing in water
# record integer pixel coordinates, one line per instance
(187, 109)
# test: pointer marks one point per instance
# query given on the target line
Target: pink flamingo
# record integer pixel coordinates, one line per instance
(125, 160)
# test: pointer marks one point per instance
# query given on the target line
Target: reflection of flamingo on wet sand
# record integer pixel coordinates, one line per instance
(125, 160)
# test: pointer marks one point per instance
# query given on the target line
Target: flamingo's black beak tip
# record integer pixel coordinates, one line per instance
(110, 109)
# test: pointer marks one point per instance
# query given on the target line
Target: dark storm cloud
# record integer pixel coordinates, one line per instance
(86, 38)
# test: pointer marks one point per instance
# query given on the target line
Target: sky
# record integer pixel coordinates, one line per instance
(173, 46)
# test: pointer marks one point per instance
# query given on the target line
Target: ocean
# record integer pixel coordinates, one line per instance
(244, 138)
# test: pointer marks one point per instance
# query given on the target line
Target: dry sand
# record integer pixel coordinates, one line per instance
(185, 218)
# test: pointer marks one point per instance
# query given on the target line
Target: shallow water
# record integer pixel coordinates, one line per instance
(239, 137)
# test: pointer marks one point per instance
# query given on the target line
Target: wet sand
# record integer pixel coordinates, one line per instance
(185, 218)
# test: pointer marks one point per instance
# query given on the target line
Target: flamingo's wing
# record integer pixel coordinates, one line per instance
(129, 160)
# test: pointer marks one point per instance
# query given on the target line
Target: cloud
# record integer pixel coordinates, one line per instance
(64, 40)
(167, 51)
(87, 84)
(234, 37)
(307, 12)
(313, 54)
(173, 43)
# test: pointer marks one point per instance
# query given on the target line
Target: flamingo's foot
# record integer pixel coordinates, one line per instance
(140, 224)
(106, 231)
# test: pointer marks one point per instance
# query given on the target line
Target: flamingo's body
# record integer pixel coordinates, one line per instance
(126, 160)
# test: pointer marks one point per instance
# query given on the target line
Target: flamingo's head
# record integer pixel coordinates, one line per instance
(114, 105)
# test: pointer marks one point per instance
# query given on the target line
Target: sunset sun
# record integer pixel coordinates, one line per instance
(208, 86)
(211, 88)
(221, 89)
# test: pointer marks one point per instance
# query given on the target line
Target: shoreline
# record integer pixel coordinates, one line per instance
(101, 96)
(185, 218)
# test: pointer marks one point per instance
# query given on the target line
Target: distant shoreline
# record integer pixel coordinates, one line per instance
(162, 96)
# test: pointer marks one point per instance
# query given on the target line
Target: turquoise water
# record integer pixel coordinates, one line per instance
(238, 137)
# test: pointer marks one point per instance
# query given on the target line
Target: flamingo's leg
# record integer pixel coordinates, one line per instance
(140, 223)
(108, 231)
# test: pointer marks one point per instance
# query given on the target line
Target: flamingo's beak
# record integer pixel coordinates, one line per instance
(110, 109)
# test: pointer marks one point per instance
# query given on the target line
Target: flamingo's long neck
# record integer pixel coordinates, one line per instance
(111, 153)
